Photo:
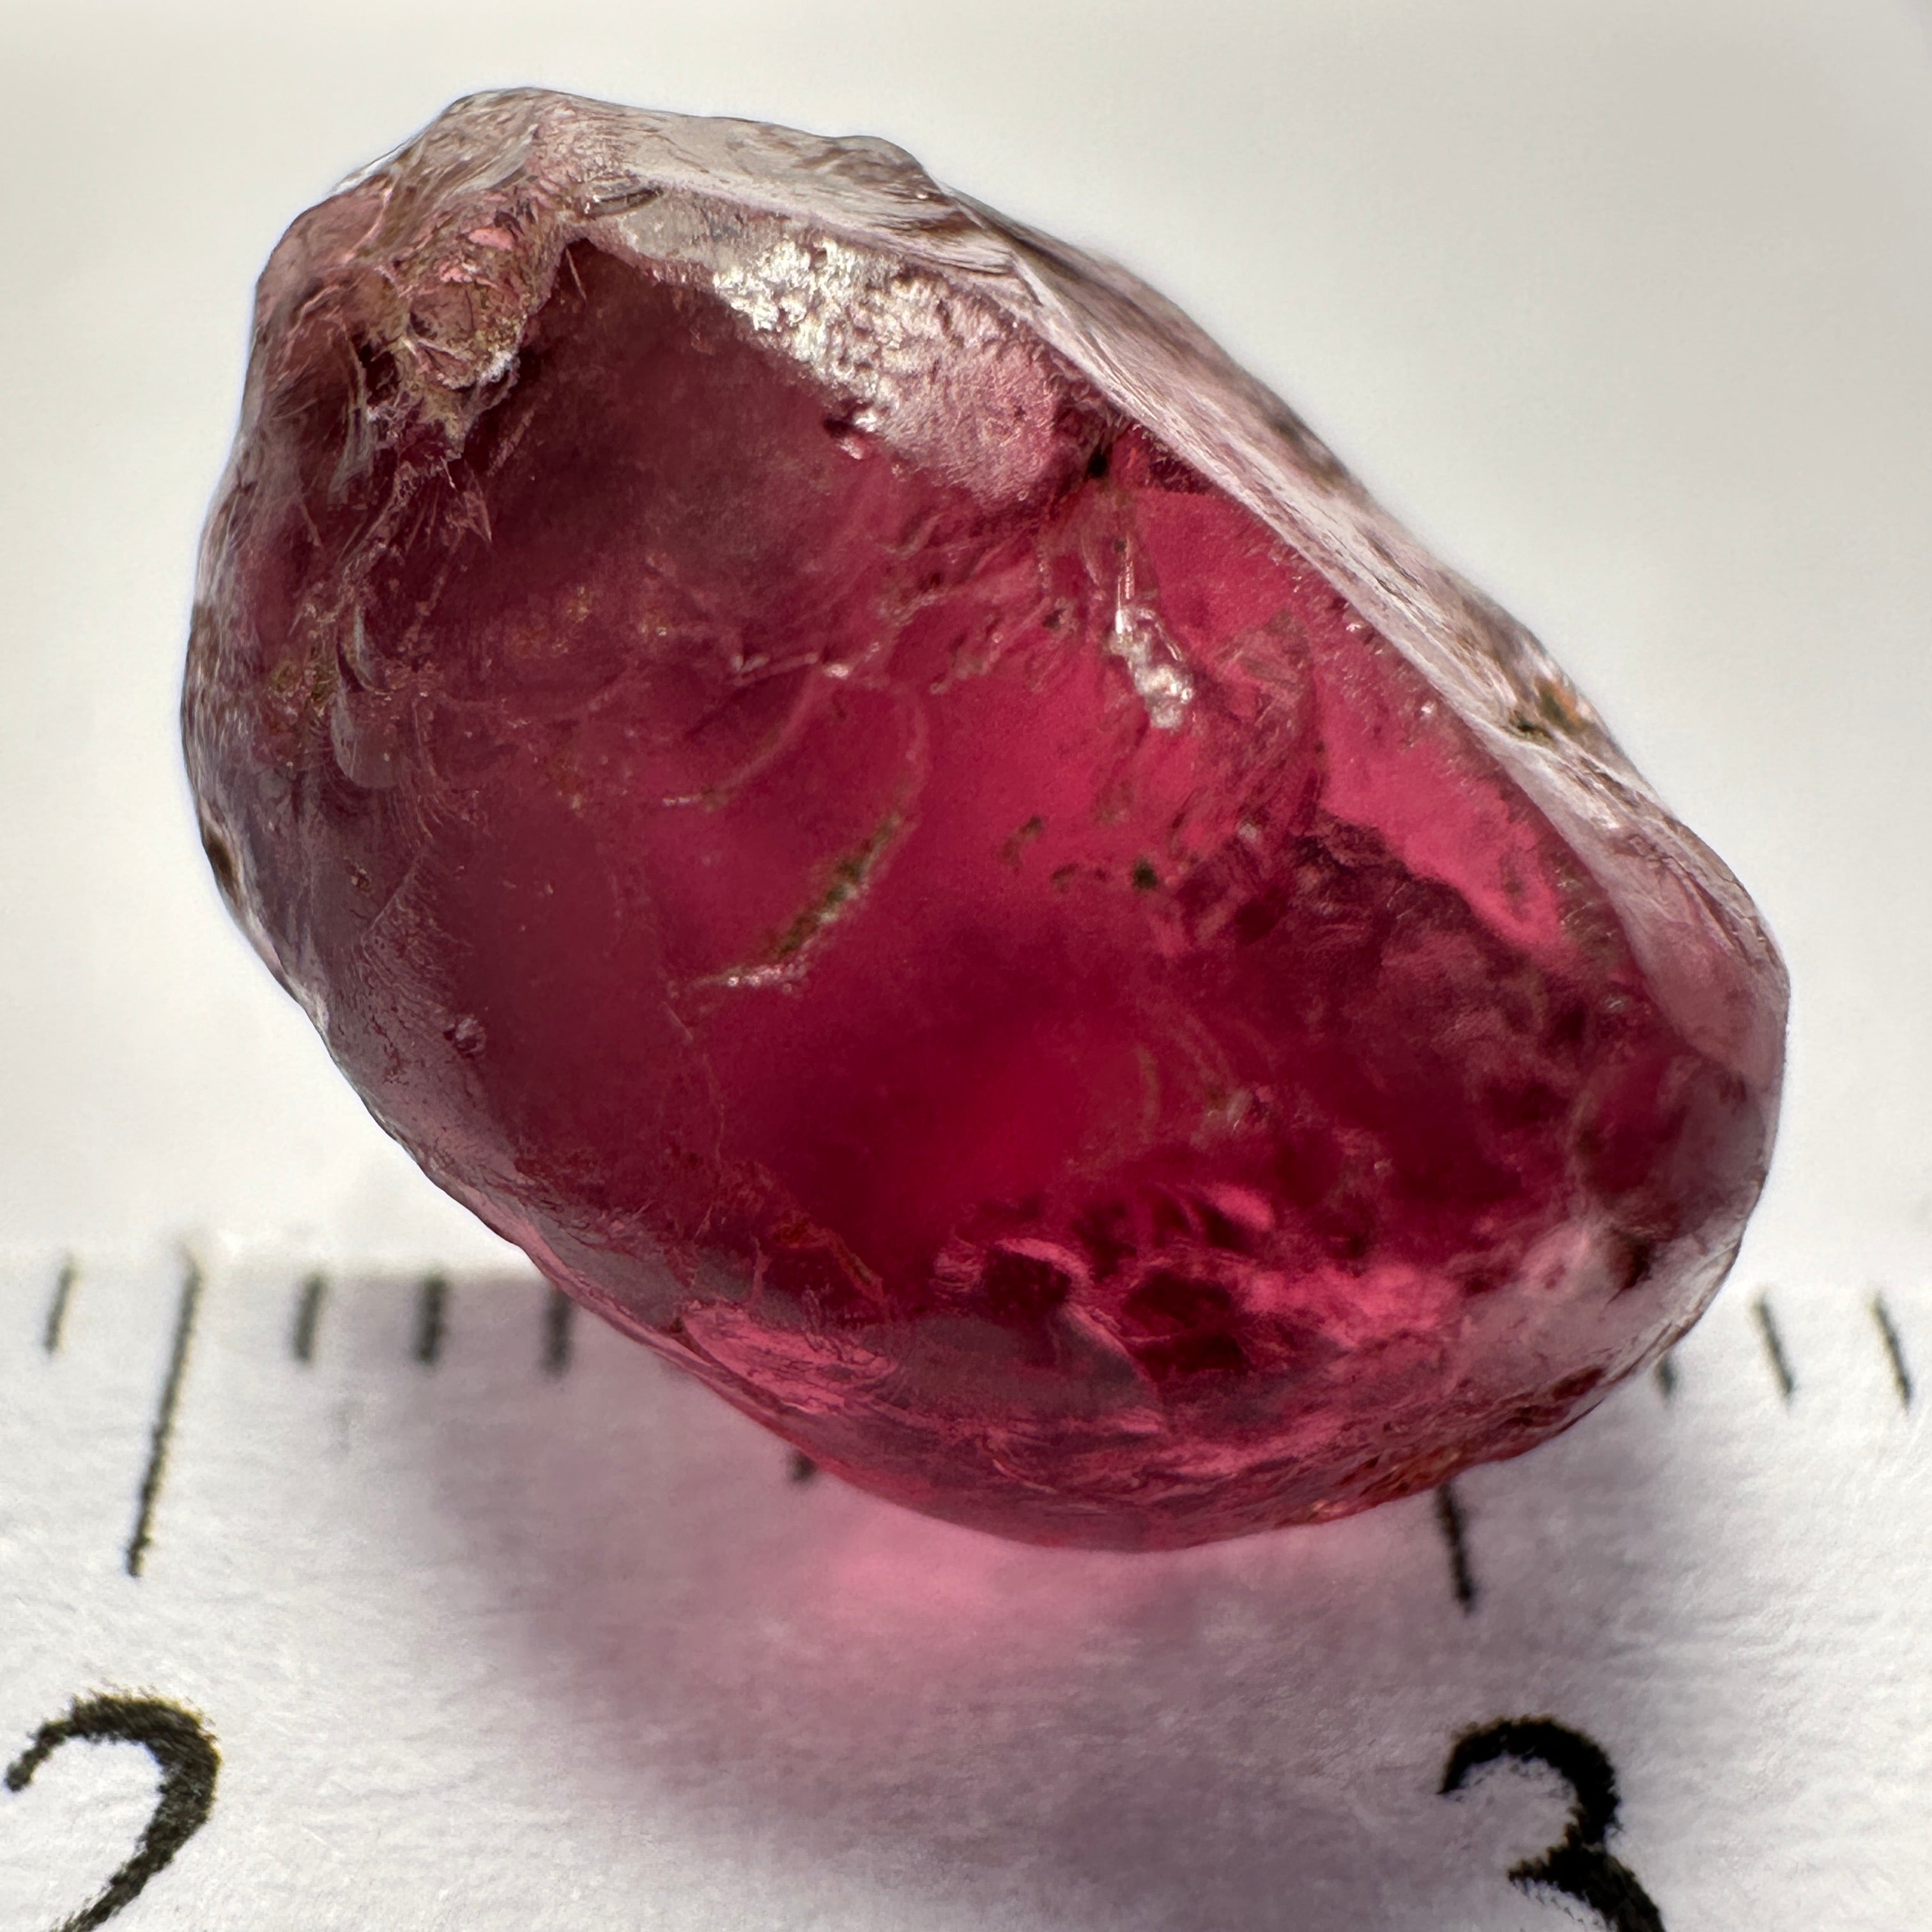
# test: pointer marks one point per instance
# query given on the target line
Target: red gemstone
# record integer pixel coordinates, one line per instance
(831, 768)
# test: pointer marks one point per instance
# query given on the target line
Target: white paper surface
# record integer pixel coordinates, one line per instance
(485, 1646)
(1625, 309)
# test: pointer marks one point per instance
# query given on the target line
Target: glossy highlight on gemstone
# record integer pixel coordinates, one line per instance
(829, 765)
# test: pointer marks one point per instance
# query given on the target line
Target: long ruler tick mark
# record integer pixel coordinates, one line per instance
(1450, 1520)
(1894, 1350)
(308, 1317)
(63, 1282)
(432, 1305)
(558, 1311)
(1773, 1347)
(164, 1430)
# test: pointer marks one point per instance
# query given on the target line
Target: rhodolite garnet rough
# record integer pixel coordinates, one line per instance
(832, 769)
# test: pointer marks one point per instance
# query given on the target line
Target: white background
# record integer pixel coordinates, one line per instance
(1625, 306)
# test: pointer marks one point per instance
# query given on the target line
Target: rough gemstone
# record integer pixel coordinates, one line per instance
(832, 769)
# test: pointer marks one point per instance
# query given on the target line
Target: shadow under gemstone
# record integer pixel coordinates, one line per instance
(836, 1698)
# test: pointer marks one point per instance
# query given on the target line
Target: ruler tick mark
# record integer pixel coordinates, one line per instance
(63, 1282)
(432, 1306)
(1894, 1350)
(1666, 1373)
(1773, 1347)
(558, 1311)
(308, 1317)
(162, 1432)
(1449, 1519)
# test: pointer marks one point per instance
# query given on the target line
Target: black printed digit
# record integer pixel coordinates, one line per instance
(1576, 1865)
(188, 1761)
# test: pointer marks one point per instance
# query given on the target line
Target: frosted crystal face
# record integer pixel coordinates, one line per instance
(829, 767)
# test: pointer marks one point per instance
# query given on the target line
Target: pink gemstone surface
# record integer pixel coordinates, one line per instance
(829, 767)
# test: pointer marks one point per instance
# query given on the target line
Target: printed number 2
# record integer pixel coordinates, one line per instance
(188, 1762)
(1576, 1865)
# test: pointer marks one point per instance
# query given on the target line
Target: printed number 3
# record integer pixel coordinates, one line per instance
(1576, 1865)
(188, 1762)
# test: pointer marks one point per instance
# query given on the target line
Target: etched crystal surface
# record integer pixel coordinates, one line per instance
(833, 769)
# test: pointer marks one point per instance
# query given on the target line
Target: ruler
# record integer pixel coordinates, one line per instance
(338, 1599)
